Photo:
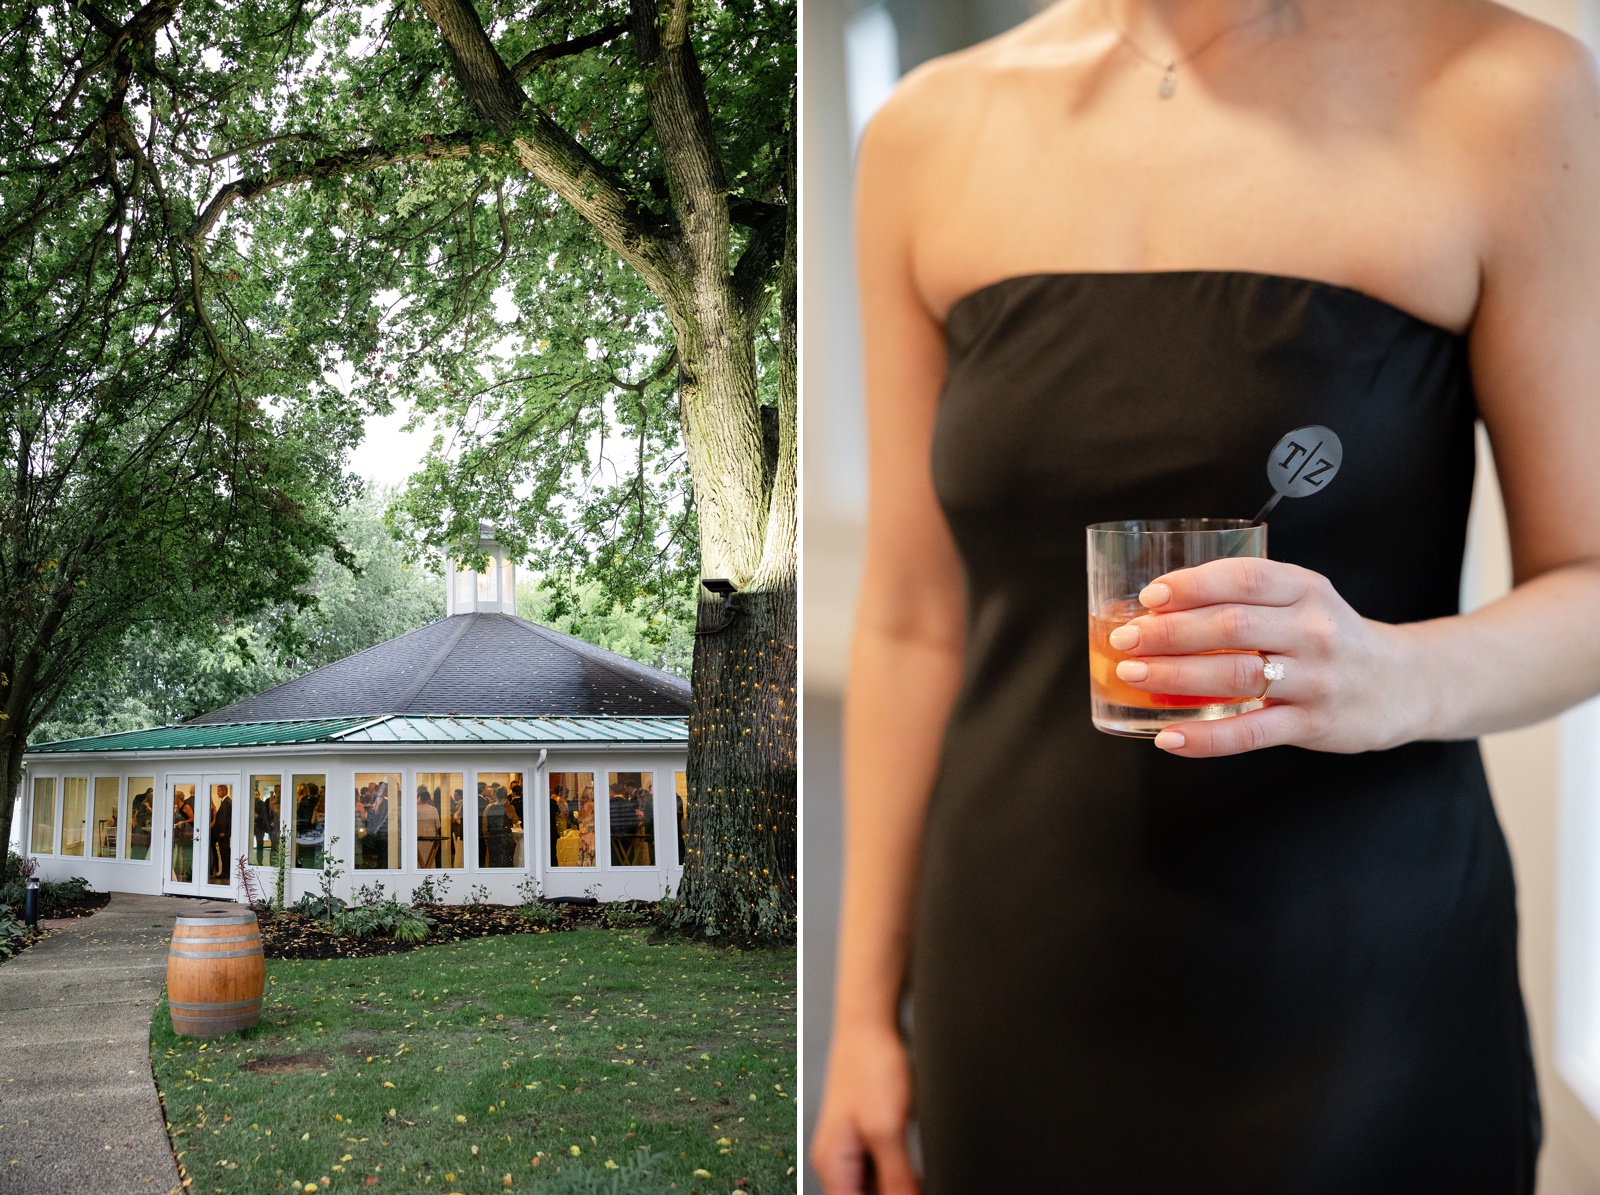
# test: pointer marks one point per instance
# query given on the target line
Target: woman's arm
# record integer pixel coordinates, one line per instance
(905, 668)
(1531, 155)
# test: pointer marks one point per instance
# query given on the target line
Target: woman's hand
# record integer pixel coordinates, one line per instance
(859, 1147)
(1345, 685)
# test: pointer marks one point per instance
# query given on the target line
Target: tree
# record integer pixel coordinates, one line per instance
(361, 190)
(654, 633)
(670, 213)
(169, 673)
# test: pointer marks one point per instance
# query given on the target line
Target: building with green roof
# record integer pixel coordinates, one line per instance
(483, 751)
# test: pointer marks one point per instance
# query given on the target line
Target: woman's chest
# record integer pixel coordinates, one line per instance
(1371, 209)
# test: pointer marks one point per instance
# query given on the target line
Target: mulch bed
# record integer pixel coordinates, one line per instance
(92, 902)
(290, 935)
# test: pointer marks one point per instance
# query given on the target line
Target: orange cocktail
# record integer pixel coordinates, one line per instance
(1103, 660)
(1123, 558)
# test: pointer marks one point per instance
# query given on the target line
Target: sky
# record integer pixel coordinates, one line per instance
(387, 455)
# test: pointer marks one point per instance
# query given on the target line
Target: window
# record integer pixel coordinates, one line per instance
(266, 819)
(183, 833)
(377, 821)
(107, 791)
(310, 819)
(680, 781)
(500, 825)
(44, 815)
(486, 583)
(74, 802)
(463, 588)
(141, 815)
(219, 836)
(440, 822)
(632, 809)
(572, 819)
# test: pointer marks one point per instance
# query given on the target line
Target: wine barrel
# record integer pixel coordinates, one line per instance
(216, 974)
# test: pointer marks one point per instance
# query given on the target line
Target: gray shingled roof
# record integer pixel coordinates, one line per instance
(480, 664)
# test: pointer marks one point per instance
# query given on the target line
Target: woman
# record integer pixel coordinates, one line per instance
(182, 834)
(1106, 261)
(498, 822)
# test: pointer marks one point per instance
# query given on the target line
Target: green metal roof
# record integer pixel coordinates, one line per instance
(399, 729)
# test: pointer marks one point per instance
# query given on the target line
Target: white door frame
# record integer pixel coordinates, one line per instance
(196, 885)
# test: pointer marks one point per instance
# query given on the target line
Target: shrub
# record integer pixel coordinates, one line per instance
(369, 894)
(55, 896)
(13, 934)
(535, 909)
(540, 913)
(383, 919)
(431, 890)
(319, 905)
(19, 867)
(624, 914)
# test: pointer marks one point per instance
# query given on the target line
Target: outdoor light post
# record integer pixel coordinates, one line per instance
(30, 903)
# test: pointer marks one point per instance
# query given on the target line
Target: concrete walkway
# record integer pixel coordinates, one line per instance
(78, 1108)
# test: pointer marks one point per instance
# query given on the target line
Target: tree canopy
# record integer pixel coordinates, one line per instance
(565, 232)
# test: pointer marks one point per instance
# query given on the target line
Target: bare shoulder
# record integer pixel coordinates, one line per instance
(942, 104)
(1519, 87)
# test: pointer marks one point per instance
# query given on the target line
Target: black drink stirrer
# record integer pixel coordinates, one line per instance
(1301, 464)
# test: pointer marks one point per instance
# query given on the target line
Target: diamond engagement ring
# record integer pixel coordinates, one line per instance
(1271, 670)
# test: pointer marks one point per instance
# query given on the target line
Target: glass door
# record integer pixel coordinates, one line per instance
(201, 815)
(219, 814)
(182, 797)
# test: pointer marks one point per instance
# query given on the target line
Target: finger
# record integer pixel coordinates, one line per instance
(1237, 579)
(1212, 628)
(1231, 675)
(1274, 726)
(842, 1165)
(891, 1165)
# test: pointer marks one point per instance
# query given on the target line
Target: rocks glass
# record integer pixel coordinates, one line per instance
(1124, 557)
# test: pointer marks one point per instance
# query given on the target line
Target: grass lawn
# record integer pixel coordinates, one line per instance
(450, 1067)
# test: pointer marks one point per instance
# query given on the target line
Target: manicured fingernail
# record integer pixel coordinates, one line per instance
(1155, 595)
(1125, 637)
(1170, 740)
(1133, 670)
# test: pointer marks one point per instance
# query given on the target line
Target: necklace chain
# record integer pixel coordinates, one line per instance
(1169, 66)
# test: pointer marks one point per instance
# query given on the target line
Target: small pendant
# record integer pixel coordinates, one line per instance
(1169, 80)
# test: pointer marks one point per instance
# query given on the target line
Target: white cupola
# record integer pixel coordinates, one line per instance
(493, 591)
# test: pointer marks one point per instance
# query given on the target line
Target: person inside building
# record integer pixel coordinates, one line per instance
(221, 854)
(264, 825)
(499, 822)
(182, 834)
(375, 846)
(141, 817)
(457, 830)
(428, 836)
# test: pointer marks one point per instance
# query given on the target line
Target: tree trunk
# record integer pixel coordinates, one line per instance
(11, 748)
(739, 877)
(739, 873)
(739, 861)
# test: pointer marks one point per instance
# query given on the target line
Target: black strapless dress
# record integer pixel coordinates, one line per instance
(1285, 972)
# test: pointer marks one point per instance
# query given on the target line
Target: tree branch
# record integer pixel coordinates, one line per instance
(577, 45)
(367, 157)
(596, 192)
(681, 118)
(762, 257)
